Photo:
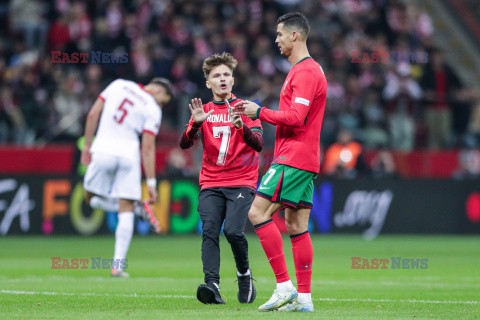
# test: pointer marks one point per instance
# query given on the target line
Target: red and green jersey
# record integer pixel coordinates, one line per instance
(300, 116)
(225, 151)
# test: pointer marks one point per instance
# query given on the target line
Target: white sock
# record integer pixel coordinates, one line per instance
(285, 286)
(123, 236)
(107, 204)
(304, 297)
(244, 274)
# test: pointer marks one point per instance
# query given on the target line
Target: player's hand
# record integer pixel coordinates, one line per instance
(196, 108)
(152, 194)
(238, 108)
(86, 156)
(247, 108)
(236, 119)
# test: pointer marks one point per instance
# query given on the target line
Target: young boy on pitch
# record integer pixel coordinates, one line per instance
(227, 184)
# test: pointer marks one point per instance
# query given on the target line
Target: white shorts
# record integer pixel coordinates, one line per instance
(113, 177)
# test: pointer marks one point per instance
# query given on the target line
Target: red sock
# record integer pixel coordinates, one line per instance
(303, 256)
(272, 244)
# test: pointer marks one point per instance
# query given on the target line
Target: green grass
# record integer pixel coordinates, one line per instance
(165, 272)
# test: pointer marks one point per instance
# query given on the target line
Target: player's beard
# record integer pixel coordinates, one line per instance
(284, 51)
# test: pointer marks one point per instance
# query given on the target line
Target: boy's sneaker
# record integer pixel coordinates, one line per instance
(279, 299)
(246, 289)
(209, 294)
(297, 307)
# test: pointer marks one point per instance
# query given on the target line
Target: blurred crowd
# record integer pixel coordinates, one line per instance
(395, 103)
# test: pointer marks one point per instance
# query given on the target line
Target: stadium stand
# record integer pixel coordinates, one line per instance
(383, 103)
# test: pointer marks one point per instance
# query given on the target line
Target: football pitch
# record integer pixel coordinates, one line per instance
(165, 273)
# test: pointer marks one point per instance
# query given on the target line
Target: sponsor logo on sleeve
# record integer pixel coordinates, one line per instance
(302, 101)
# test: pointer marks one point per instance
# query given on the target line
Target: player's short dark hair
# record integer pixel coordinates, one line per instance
(164, 83)
(217, 60)
(295, 21)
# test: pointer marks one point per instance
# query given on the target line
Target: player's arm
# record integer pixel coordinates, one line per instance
(198, 116)
(253, 138)
(91, 126)
(148, 160)
(251, 131)
(304, 87)
(293, 117)
(191, 133)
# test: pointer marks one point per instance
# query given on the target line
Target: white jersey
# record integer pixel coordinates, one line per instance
(128, 111)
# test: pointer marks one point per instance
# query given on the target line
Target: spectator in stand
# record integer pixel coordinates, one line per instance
(168, 38)
(439, 83)
(59, 34)
(468, 165)
(383, 165)
(68, 108)
(463, 102)
(401, 93)
(12, 118)
(420, 22)
(373, 117)
(177, 164)
(26, 17)
(80, 26)
(344, 158)
(474, 124)
(34, 111)
(336, 104)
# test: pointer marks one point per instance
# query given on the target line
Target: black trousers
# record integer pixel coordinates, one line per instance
(216, 205)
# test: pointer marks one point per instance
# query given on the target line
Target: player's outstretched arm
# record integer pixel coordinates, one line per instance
(293, 117)
(305, 86)
(148, 160)
(198, 113)
(91, 126)
(198, 116)
(253, 139)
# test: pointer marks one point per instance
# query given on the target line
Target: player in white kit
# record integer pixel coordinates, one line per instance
(122, 112)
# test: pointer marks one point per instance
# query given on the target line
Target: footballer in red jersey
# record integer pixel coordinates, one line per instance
(289, 181)
(227, 182)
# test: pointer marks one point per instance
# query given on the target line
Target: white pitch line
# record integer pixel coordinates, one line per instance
(134, 295)
(400, 300)
(397, 283)
(430, 284)
(193, 297)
